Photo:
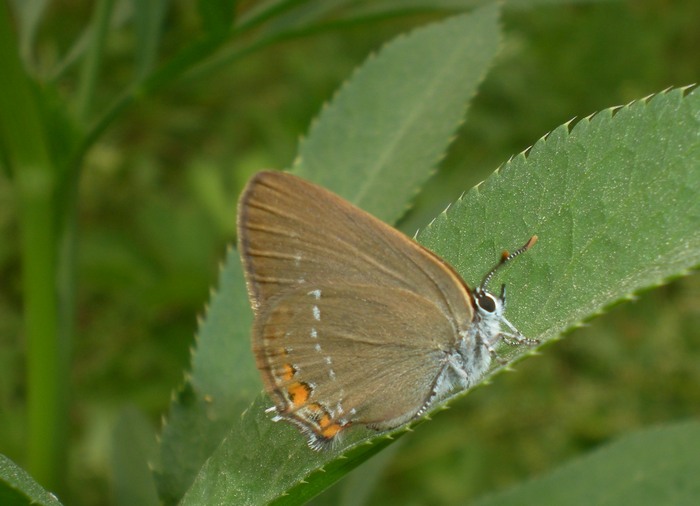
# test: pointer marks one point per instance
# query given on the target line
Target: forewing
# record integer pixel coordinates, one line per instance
(363, 353)
(293, 233)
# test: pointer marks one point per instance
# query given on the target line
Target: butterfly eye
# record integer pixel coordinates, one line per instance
(486, 302)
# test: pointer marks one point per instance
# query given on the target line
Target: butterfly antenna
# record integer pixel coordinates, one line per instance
(505, 258)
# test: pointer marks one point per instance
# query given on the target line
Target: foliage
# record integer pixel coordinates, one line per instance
(87, 197)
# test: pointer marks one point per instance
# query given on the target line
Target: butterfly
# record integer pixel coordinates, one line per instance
(355, 323)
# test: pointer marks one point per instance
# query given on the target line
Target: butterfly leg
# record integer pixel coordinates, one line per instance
(457, 367)
(494, 354)
(515, 337)
(490, 344)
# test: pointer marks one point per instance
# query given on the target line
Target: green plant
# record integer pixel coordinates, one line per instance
(612, 200)
(599, 196)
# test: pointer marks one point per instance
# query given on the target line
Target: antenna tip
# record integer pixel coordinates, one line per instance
(507, 255)
(530, 243)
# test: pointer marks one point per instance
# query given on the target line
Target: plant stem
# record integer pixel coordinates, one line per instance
(23, 138)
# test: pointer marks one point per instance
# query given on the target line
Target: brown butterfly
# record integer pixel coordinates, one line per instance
(355, 323)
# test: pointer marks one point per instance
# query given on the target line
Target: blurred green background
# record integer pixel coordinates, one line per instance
(157, 210)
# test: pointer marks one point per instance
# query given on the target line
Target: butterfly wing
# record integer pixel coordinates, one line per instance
(292, 233)
(336, 355)
(346, 309)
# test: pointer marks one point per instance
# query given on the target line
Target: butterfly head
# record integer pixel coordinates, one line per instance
(490, 307)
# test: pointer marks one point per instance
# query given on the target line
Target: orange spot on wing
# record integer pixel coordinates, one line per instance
(287, 372)
(332, 430)
(299, 393)
(275, 353)
(325, 421)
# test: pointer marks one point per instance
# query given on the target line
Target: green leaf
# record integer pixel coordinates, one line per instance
(613, 201)
(285, 19)
(289, 18)
(224, 380)
(29, 14)
(399, 113)
(148, 23)
(650, 467)
(92, 62)
(24, 144)
(263, 462)
(18, 488)
(222, 384)
(615, 204)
